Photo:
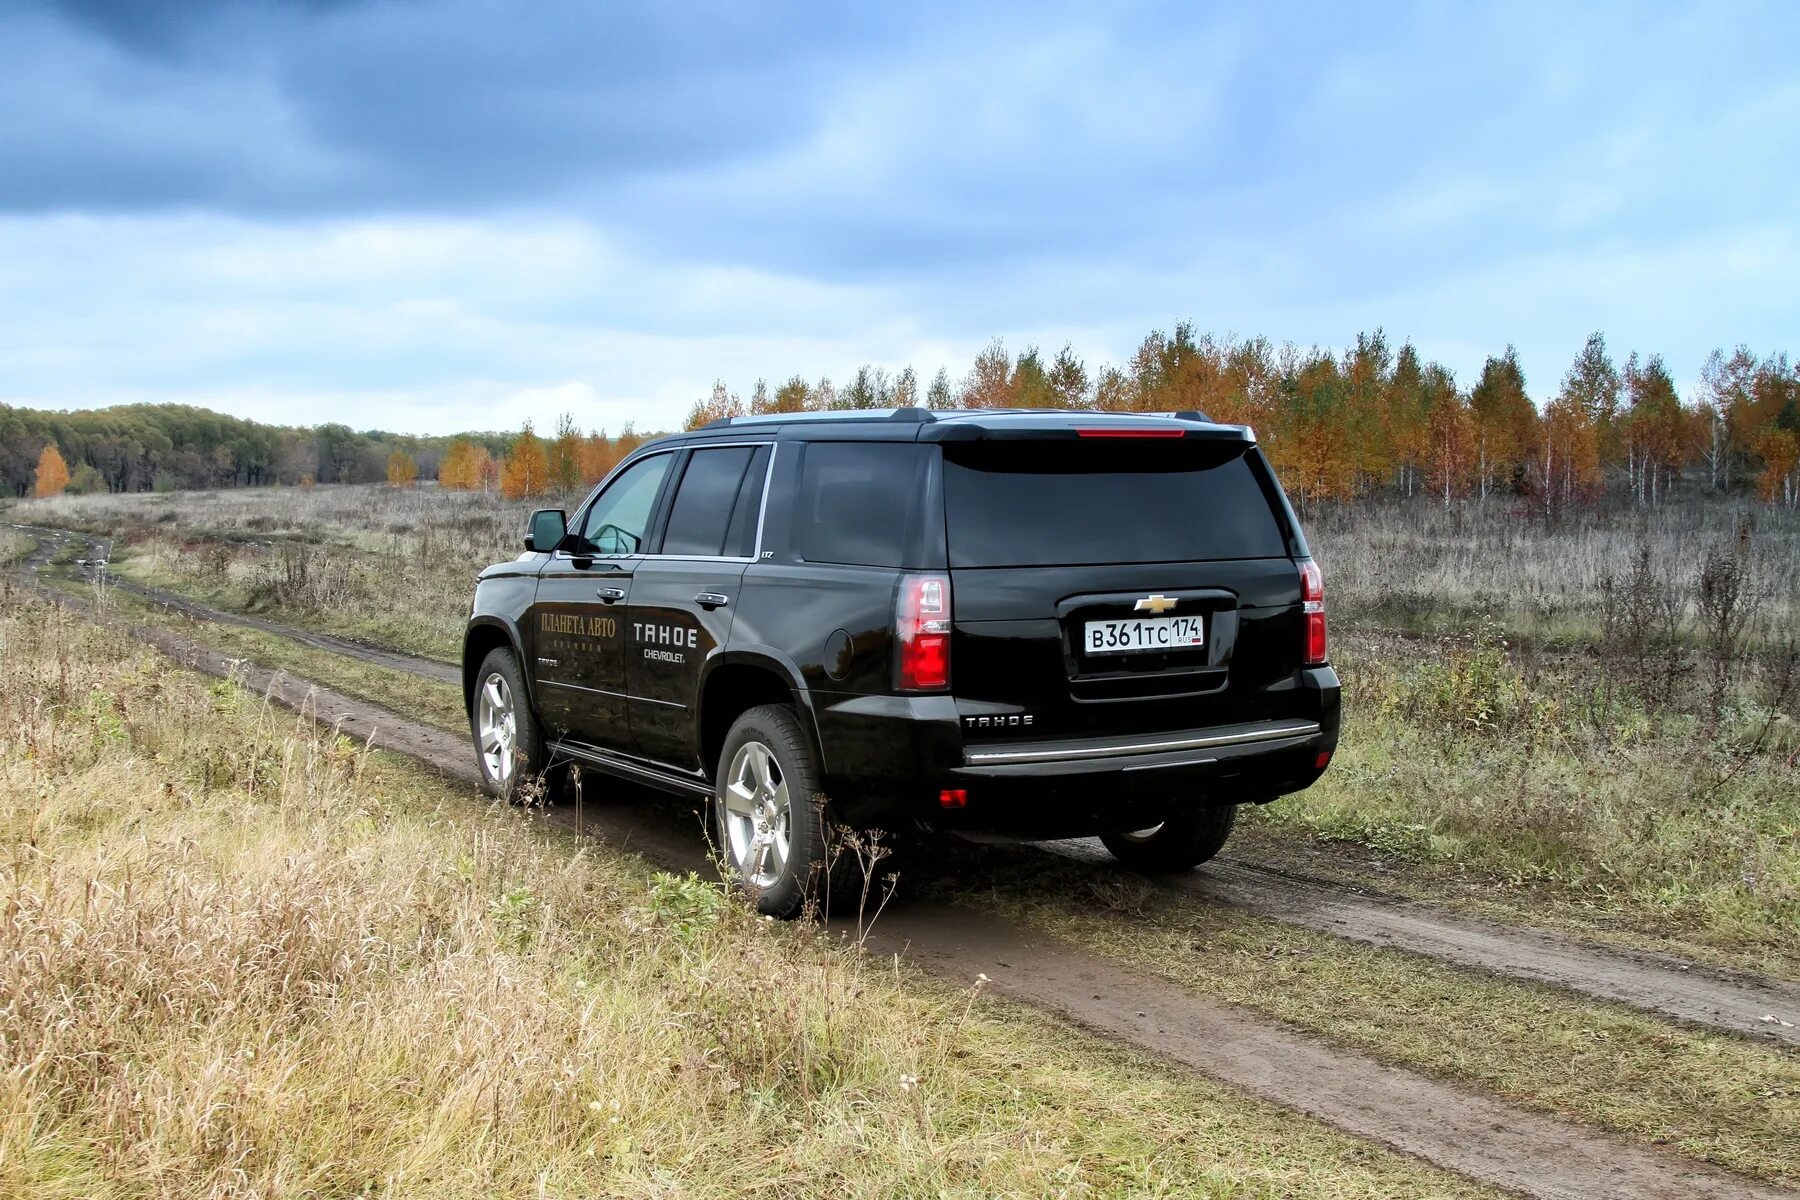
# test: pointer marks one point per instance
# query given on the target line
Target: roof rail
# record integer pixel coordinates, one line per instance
(915, 415)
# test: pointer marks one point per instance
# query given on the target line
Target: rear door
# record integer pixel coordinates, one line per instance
(1117, 585)
(578, 619)
(682, 594)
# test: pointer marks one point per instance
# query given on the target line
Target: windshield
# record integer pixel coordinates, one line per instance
(1057, 503)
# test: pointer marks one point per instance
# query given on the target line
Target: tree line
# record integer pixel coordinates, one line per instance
(1372, 420)
(146, 447)
(1380, 420)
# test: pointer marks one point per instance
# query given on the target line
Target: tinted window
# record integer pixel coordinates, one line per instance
(1044, 504)
(740, 539)
(705, 500)
(858, 501)
(617, 518)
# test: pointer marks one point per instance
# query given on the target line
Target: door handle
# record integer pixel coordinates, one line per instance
(711, 600)
(611, 595)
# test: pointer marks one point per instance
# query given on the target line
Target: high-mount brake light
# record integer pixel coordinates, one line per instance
(1312, 604)
(922, 632)
(1130, 433)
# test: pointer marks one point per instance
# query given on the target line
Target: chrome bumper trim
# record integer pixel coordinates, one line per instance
(1267, 733)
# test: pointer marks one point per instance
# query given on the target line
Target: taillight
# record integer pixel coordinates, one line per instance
(1312, 603)
(922, 631)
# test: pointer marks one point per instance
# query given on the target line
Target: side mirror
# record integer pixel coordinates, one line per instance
(546, 530)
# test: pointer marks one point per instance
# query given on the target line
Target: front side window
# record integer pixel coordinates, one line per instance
(618, 517)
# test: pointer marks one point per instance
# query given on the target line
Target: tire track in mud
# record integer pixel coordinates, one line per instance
(1452, 1127)
(1694, 993)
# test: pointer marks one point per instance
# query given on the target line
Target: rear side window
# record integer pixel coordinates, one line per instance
(859, 502)
(706, 499)
(1048, 503)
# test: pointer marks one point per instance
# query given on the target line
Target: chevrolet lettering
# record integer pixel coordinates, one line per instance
(1031, 624)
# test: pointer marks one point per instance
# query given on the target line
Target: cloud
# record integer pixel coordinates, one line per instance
(422, 213)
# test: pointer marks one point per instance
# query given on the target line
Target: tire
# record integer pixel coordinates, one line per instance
(1181, 843)
(509, 746)
(775, 840)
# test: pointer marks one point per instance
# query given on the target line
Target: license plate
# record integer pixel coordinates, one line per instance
(1143, 634)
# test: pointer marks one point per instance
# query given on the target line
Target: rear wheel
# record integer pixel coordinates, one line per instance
(769, 820)
(508, 745)
(1179, 844)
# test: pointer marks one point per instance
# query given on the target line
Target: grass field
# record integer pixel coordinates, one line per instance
(1547, 719)
(244, 958)
(1615, 769)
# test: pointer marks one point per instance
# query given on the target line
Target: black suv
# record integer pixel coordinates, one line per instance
(1040, 624)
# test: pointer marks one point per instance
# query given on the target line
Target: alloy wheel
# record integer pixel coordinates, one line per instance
(496, 724)
(757, 816)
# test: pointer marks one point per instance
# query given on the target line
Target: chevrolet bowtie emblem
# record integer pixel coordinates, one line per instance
(1156, 604)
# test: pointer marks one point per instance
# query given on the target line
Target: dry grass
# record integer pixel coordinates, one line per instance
(1420, 567)
(13, 546)
(244, 958)
(1637, 776)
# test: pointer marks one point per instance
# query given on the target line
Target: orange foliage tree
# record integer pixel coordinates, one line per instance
(563, 458)
(526, 470)
(402, 471)
(52, 472)
(460, 469)
(718, 406)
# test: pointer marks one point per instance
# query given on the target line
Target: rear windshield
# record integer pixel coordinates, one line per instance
(1042, 504)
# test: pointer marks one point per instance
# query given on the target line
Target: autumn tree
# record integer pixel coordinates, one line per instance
(1779, 450)
(1450, 433)
(1504, 422)
(52, 472)
(597, 457)
(526, 470)
(1068, 379)
(562, 458)
(460, 469)
(938, 395)
(790, 397)
(402, 471)
(1029, 384)
(1728, 392)
(1654, 425)
(720, 405)
(868, 388)
(989, 381)
(1407, 414)
(1363, 424)
(1569, 464)
(906, 388)
(1593, 383)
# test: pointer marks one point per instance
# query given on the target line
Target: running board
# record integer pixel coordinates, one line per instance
(633, 769)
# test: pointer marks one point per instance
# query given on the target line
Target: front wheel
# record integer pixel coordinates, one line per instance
(1181, 843)
(773, 833)
(508, 744)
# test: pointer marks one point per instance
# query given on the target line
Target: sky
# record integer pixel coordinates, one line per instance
(433, 215)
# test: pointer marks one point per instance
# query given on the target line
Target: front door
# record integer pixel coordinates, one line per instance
(682, 596)
(578, 621)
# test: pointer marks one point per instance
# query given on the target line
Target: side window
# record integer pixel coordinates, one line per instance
(616, 520)
(858, 501)
(705, 500)
(746, 518)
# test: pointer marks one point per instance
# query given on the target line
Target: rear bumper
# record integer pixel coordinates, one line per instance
(887, 759)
